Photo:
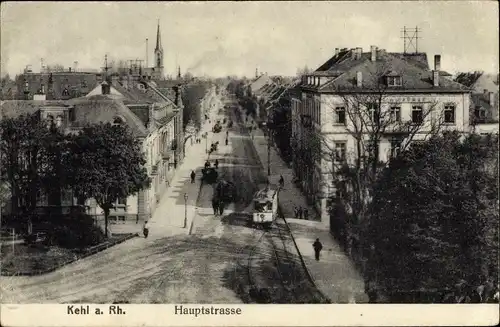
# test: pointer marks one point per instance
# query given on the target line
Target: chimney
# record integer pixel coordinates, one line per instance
(359, 51)
(337, 51)
(359, 79)
(373, 50)
(437, 62)
(435, 77)
(69, 69)
(43, 89)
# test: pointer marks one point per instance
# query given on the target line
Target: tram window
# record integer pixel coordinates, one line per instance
(259, 206)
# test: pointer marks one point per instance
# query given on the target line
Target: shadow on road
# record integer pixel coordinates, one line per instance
(238, 219)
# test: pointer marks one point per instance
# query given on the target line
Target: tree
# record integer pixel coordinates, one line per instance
(105, 162)
(469, 78)
(433, 225)
(303, 71)
(191, 98)
(22, 151)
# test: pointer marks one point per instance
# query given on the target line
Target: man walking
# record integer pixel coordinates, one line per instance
(306, 213)
(317, 248)
(282, 181)
(299, 212)
(193, 175)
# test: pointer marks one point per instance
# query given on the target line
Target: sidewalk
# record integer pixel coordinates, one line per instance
(335, 275)
(168, 218)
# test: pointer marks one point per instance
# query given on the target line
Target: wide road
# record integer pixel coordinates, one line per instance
(219, 262)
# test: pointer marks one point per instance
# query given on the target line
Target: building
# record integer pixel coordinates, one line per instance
(355, 88)
(157, 71)
(152, 118)
(55, 85)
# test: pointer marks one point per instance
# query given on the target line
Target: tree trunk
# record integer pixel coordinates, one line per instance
(106, 215)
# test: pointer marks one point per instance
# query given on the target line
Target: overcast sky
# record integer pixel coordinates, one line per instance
(221, 38)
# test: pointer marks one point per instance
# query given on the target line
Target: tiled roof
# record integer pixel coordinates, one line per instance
(102, 108)
(259, 82)
(414, 75)
(77, 83)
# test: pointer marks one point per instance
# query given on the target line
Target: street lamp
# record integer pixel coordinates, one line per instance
(185, 209)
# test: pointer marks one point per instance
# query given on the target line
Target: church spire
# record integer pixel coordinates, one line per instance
(158, 38)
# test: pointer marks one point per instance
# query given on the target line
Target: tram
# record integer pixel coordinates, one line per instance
(265, 206)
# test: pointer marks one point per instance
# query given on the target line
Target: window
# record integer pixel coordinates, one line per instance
(340, 151)
(340, 115)
(395, 114)
(449, 113)
(50, 121)
(479, 113)
(394, 81)
(395, 146)
(416, 114)
(122, 201)
(84, 84)
(59, 121)
(373, 112)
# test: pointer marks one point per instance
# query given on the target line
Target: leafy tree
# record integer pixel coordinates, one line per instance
(105, 162)
(434, 220)
(468, 78)
(22, 144)
(191, 98)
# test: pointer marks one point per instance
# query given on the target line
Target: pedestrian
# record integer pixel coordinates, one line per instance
(145, 229)
(282, 181)
(306, 213)
(227, 141)
(317, 248)
(215, 206)
(193, 175)
(216, 164)
(296, 212)
(299, 211)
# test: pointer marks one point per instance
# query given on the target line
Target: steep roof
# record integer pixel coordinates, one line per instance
(343, 68)
(260, 82)
(486, 82)
(77, 83)
(103, 108)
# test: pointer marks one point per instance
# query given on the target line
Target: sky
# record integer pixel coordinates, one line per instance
(235, 38)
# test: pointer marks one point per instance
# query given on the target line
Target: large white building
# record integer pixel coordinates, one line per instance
(344, 98)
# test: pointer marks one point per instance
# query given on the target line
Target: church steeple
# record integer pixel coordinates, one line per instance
(158, 38)
(158, 49)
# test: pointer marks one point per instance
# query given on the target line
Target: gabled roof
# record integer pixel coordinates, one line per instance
(415, 75)
(486, 82)
(104, 108)
(260, 82)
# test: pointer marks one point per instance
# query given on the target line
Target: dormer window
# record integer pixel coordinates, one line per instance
(118, 120)
(393, 80)
(479, 113)
(65, 92)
